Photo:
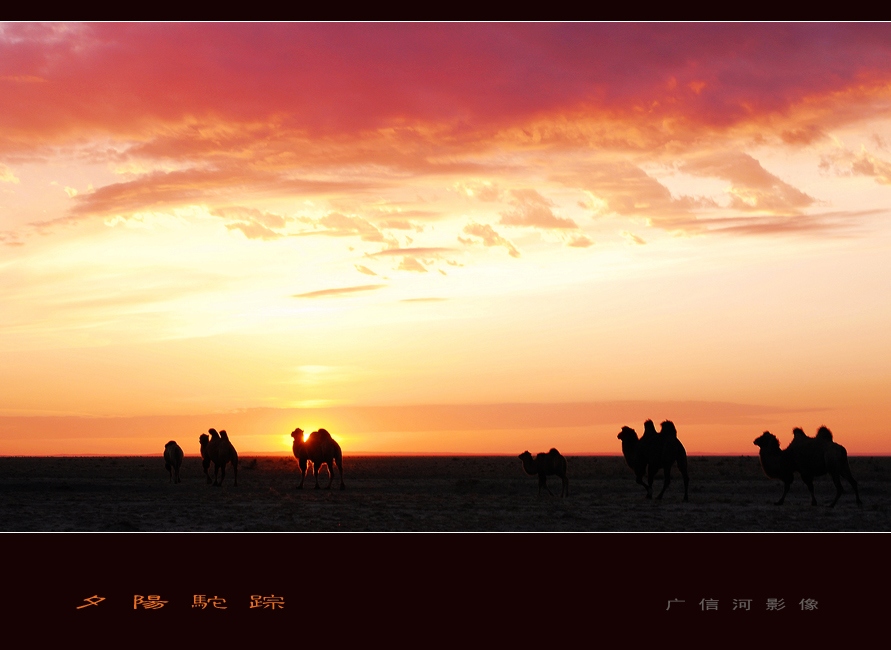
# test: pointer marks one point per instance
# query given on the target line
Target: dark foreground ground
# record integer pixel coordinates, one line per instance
(425, 494)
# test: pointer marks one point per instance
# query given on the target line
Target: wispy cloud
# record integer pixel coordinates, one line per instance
(752, 186)
(6, 175)
(339, 291)
(489, 237)
(532, 209)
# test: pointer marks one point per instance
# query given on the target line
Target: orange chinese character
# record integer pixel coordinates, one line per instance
(267, 602)
(152, 602)
(203, 601)
(92, 600)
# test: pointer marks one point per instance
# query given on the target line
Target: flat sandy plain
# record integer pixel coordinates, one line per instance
(432, 493)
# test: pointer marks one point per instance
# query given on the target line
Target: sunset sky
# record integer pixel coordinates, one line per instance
(462, 238)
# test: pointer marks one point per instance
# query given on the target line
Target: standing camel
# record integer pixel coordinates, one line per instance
(655, 451)
(821, 455)
(546, 464)
(206, 460)
(173, 459)
(634, 458)
(319, 449)
(224, 452)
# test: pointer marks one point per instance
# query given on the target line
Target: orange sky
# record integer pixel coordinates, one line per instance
(443, 238)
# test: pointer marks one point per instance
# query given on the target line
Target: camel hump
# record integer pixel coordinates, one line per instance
(323, 433)
(824, 434)
(224, 435)
(649, 427)
(171, 443)
(798, 433)
(668, 429)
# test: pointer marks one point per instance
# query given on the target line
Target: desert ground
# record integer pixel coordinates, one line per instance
(433, 493)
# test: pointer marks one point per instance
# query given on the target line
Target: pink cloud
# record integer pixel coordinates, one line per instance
(753, 187)
(532, 209)
(346, 78)
(488, 236)
(627, 190)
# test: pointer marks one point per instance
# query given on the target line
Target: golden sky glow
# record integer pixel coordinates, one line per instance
(443, 238)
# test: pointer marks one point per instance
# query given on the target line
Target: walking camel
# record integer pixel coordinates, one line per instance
(546, 464)
(818, 456)
(319, 449)
(173, 459)
(655, 451)
(218, 449)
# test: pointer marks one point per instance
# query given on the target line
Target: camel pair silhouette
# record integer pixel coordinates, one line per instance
(217, 449)
(319, 449)
(652, 452)
(810, 457)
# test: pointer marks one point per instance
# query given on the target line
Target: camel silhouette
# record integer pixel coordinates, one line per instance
(217, 449)
(546, 464)
(776, 463)
(636, 460)
(173, 459)
(319, 449)
(225, 453)
(818, 456)
(206, 460)
(655, 451)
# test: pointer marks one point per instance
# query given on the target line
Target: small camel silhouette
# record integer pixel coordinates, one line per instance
(319, 449)
(821, 455)
(546, 464)
(173, 459)
(206, 460)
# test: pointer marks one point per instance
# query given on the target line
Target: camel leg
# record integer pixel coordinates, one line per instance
(565, 490)
(786, 486)
(235, 474)
(206, 464)
(315, 473)
(340, 470)
(682, 467)
(651, 477)
(665, 483)
(846, 472)
(543, 483)
(641, 481)
(302, 466)
(838, 488)
(223, 474)
(809, 482)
